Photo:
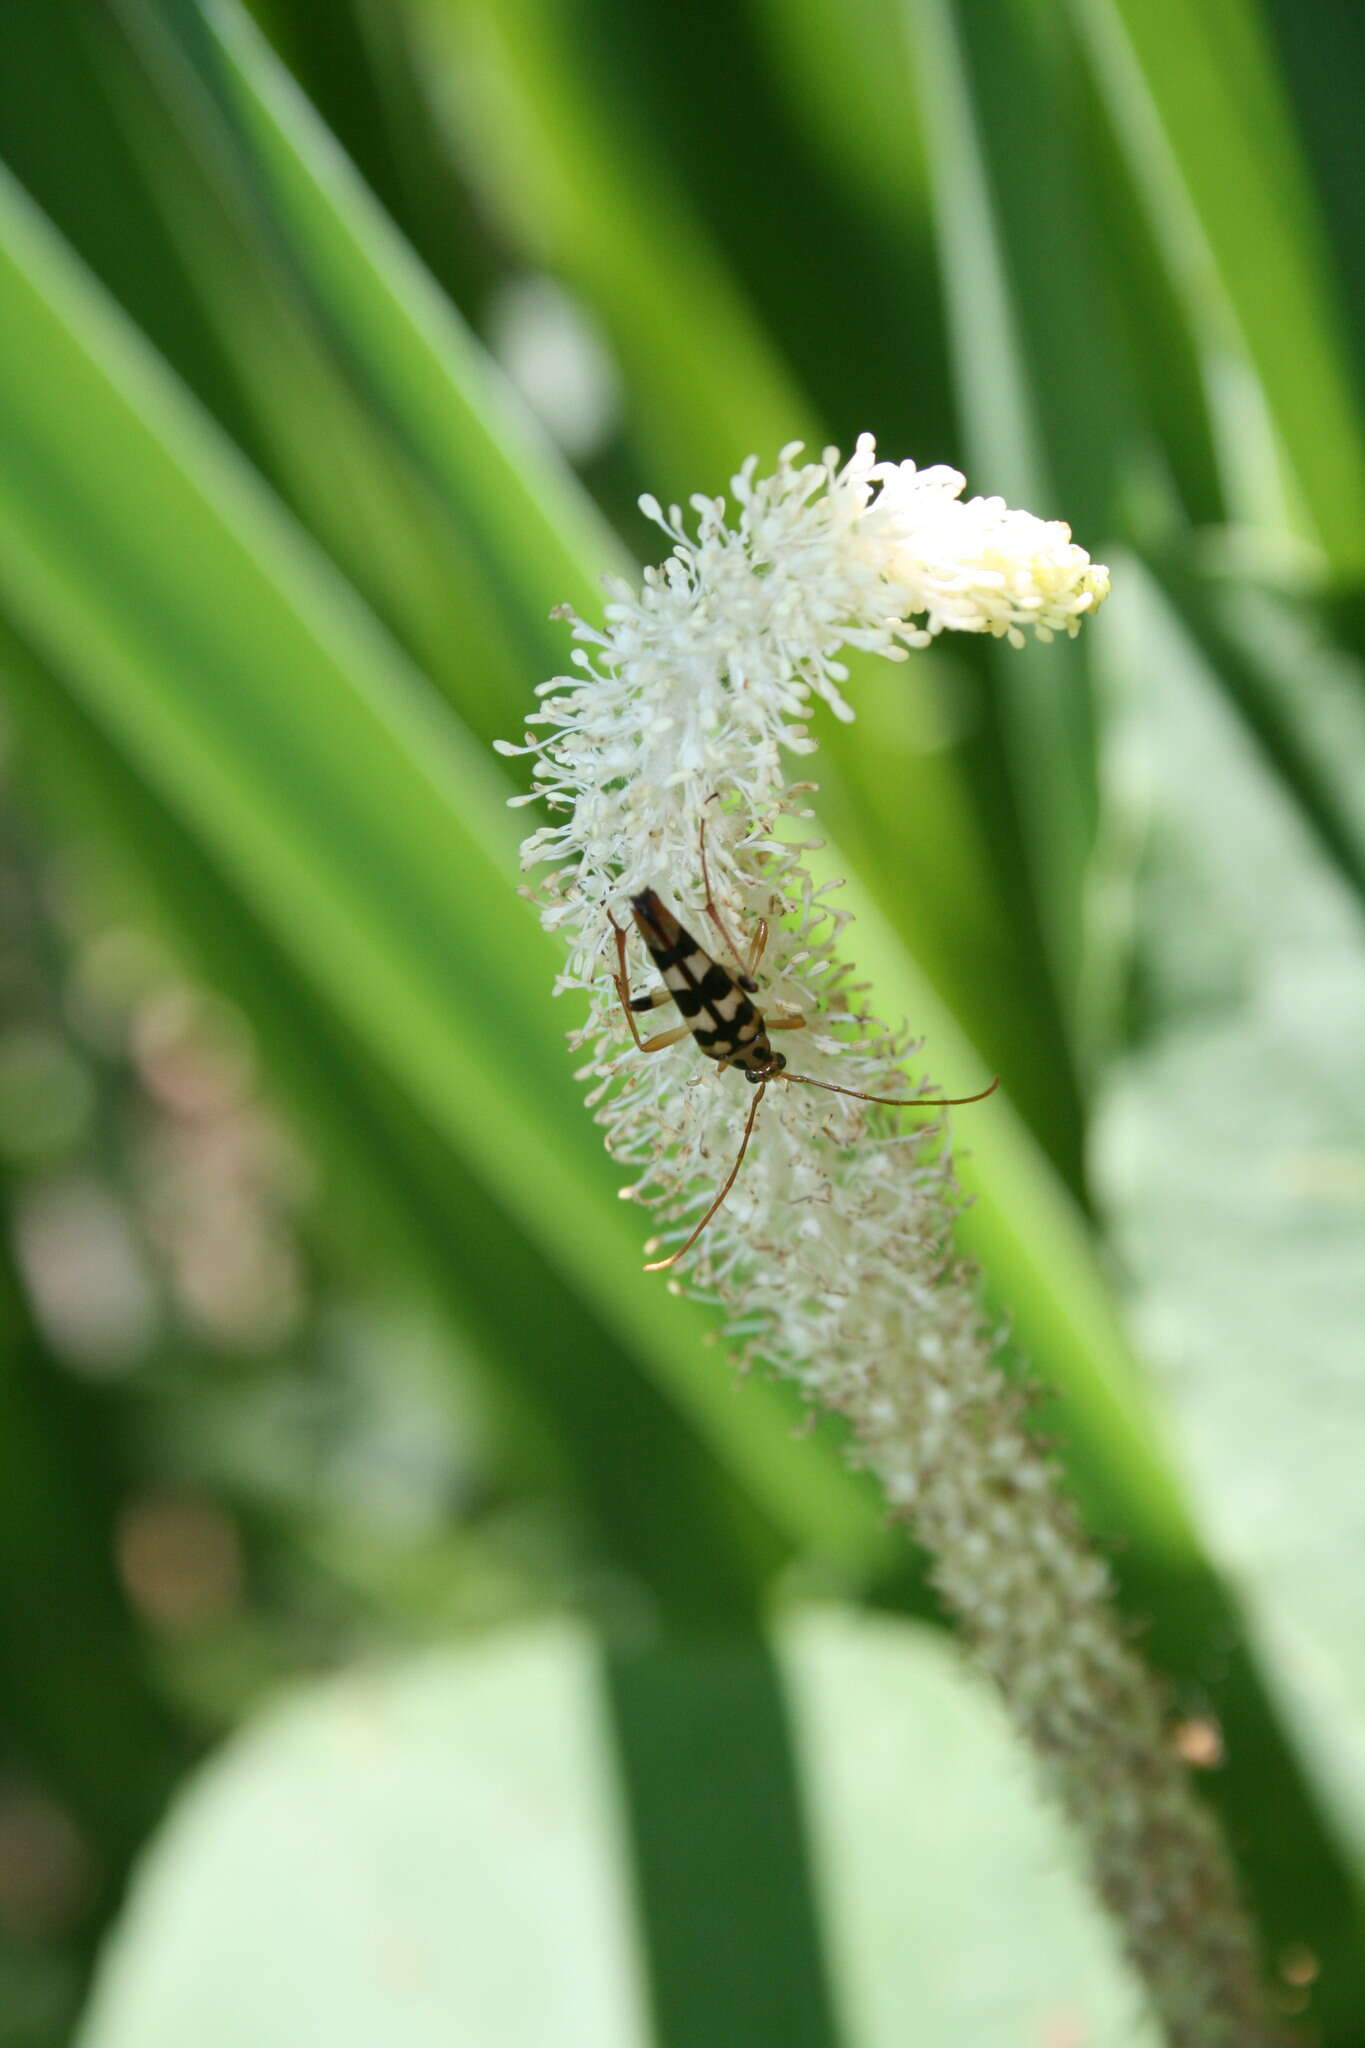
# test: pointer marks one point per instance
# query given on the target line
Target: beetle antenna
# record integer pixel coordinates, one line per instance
(745, 977)
(891, 1101)
(659, 1265)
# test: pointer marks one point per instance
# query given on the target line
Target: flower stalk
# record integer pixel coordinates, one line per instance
(832, 1259)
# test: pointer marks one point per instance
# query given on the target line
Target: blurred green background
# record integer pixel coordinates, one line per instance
(335, 345)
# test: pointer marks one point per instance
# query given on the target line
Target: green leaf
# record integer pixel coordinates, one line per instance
(399, 1199)
(1320, 45)
(1231, 1157)
(438, 1853)
(210, 646)
(1027, 365)
(852, 82)
(409, 352)
(249, 730)
(590, 201)
(716, 1823)
(1299, 695)
(1208, 75)
(382, 421)
(213, 647)
(73, 1686)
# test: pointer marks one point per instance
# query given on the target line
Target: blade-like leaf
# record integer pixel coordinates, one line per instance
(210, 643)
(207, 642)
(357, 281)
(1027, 364)
(729, 1923)
(247, 693)
(73, 1690)
(397, 1194)
(1320, 45)
(589, 203)
(1237, 164)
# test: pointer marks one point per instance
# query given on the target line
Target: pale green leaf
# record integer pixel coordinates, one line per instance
(1231, 1157)
(436, 1853)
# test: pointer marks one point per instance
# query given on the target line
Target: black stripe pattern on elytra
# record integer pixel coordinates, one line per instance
(724, 1023)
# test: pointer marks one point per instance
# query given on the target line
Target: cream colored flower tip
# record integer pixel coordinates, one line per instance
(979, 566)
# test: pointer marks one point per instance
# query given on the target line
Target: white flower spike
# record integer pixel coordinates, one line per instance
(832, 1255)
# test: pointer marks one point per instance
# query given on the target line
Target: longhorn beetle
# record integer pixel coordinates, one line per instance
(728, 1027)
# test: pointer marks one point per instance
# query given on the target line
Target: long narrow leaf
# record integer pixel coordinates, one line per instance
(1225, 122)
(551, 1366)
(248, 685)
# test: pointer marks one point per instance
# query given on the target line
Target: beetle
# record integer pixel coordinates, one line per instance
(718, 1009)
